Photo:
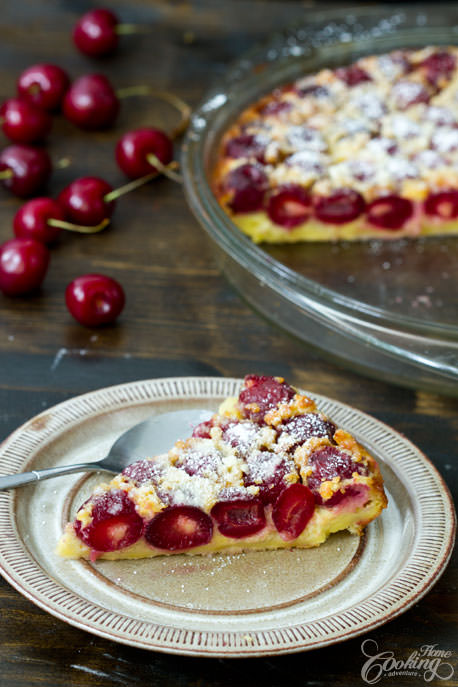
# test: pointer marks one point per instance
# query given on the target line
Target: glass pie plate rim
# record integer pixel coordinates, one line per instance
(419, 341)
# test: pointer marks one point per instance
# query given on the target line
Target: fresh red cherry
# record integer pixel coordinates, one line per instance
(290, 206)
(84, 201)
(261, 393)
(443, 204)
(94, 299)
(340, 207)
(95, 33)
(44, 85)
(24, 170)
(293, 510)
(31, 220)
(114, 524)
(23, 265)
(24, 122)
(179, 528)
(91, 102)
(134, 147)
(389, 212)
(239, 517)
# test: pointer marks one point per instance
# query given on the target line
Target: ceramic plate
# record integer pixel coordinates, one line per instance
(251, 604)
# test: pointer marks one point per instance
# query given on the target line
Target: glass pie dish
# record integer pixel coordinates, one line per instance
(387, 309)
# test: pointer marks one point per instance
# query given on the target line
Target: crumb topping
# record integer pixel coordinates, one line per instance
(238, 460)
(372, 126)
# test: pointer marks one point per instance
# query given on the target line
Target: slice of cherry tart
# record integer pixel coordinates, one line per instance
(268, 471)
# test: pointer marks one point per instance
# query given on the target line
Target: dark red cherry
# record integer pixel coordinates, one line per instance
(245, 145)
(443, 204)
(261, 393)
(84, 201)
(94, 299)
(239, 518)
(438, 65)
(24, 122)
(274, 108)
(179, 528)
(95, 33)
(340, 207)
(352, 75)
(267, 471)
(289, 206)
(44, 85)
(329, 462)
(115, 523)
(29, 167)
(91, 102)
(249, 184)
(202, 430)
(301, 427)
(133, 148)
(407, 93)
(31, 220)
(389, 212)
(23, 265)
(293, 510)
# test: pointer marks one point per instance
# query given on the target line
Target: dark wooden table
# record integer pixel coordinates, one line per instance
(181, 318)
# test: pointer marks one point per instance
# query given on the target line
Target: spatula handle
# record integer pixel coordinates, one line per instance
(18, 480)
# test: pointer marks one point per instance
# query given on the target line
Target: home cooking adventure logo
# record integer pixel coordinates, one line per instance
(428, 662)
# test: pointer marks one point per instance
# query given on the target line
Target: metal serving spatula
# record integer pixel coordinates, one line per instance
(144, 440)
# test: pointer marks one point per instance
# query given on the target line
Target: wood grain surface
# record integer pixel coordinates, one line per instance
(181, 318)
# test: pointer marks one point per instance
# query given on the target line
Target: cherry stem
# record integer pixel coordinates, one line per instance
(81, 229)
(173, 100)
(166, 170)
(132, 185)
(6, 173)
(126, 29)
(63, 163)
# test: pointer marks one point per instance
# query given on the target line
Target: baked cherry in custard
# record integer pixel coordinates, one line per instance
(114, 523)
(239, 518)
(178, 528)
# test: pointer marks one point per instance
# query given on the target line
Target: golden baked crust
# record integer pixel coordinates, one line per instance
(270, 451)
(385, 127)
